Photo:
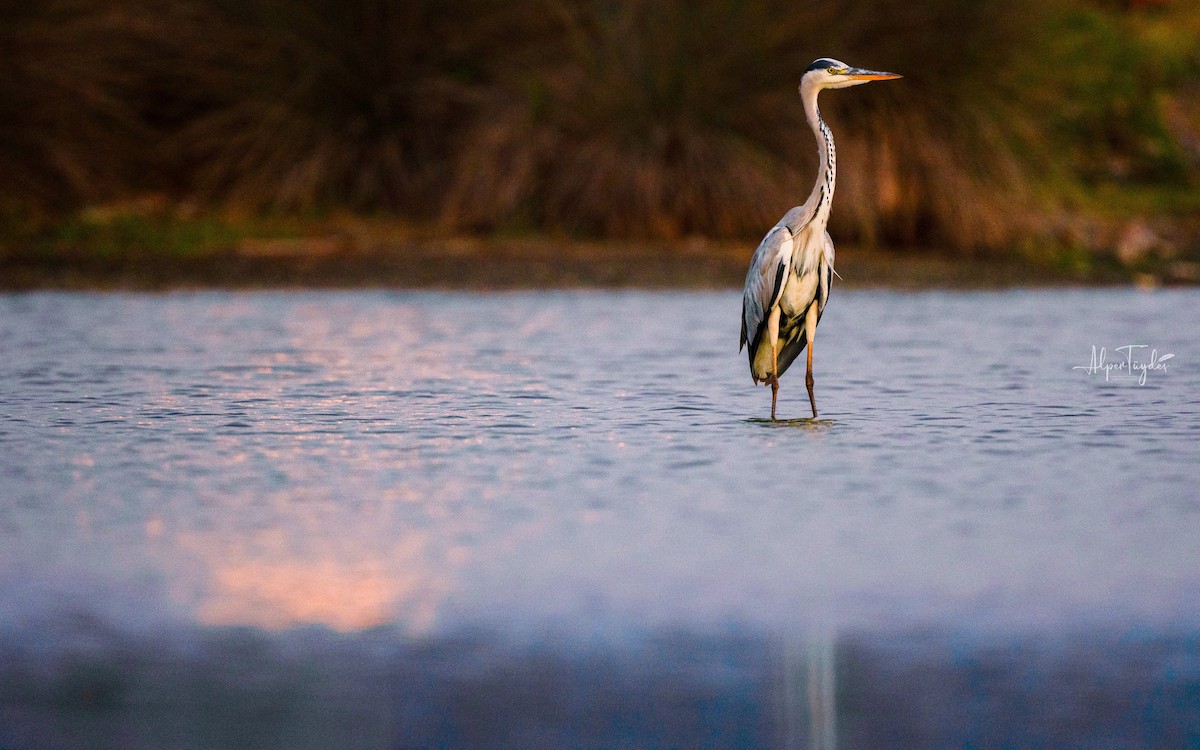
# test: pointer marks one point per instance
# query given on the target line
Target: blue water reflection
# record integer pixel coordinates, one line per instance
(558, 519)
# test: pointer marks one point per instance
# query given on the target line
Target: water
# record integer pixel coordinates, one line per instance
(404, 520)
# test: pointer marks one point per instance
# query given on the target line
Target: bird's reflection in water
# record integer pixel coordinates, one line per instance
(799, 423)
(806, 693)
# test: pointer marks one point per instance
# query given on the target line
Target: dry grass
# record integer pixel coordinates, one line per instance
(651, 119)
(325, 103)
(948, 156)
(70, 131)
(634, 119)
(670, 118)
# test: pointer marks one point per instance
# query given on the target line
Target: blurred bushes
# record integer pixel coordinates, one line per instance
(631, 118)
(326, 102)
(70, 72)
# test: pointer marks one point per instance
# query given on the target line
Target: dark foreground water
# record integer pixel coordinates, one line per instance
(558, 520)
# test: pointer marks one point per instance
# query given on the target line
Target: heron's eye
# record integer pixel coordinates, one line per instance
(836, 71)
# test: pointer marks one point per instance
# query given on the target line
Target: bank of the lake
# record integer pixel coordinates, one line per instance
(390, 259)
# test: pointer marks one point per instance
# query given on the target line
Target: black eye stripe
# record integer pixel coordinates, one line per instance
(823, 63)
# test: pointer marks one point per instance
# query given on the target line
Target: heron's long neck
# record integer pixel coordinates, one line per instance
(822, 192)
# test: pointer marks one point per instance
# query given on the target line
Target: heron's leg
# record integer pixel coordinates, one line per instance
(810, 330)
(774, 377)
(773, 337)
(808, 380)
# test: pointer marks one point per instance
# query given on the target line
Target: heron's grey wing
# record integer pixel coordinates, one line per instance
(826, 281)
(764, 282)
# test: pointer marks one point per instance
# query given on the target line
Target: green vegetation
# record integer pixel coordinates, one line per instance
(1053, 129)
(124, 235)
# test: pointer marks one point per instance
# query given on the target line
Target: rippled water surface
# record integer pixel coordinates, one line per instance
(561, 520)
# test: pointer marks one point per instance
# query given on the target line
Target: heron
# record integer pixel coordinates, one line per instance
(787, 284)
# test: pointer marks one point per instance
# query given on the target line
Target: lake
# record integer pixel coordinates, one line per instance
(561, 519)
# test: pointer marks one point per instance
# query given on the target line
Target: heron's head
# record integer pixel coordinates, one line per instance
(827, 73)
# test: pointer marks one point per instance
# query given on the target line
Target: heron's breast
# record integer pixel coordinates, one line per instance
(798, 292)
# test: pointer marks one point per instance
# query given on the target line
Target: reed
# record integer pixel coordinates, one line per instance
(630, 118)
(667, 118)
(70, 131)
(323, 102)
(649, 118)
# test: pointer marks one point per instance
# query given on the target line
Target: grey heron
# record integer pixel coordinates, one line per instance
(790, 273)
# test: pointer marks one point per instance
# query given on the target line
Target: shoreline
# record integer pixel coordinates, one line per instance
(469, 263)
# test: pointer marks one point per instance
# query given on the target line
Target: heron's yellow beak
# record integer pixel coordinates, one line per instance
(855, 74)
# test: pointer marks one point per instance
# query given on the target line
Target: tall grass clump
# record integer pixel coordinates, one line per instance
(618, 118)
(953, 156)
(649, 117)
(1016, 115)
(69, 131)
(668, 117)
(334, 103)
